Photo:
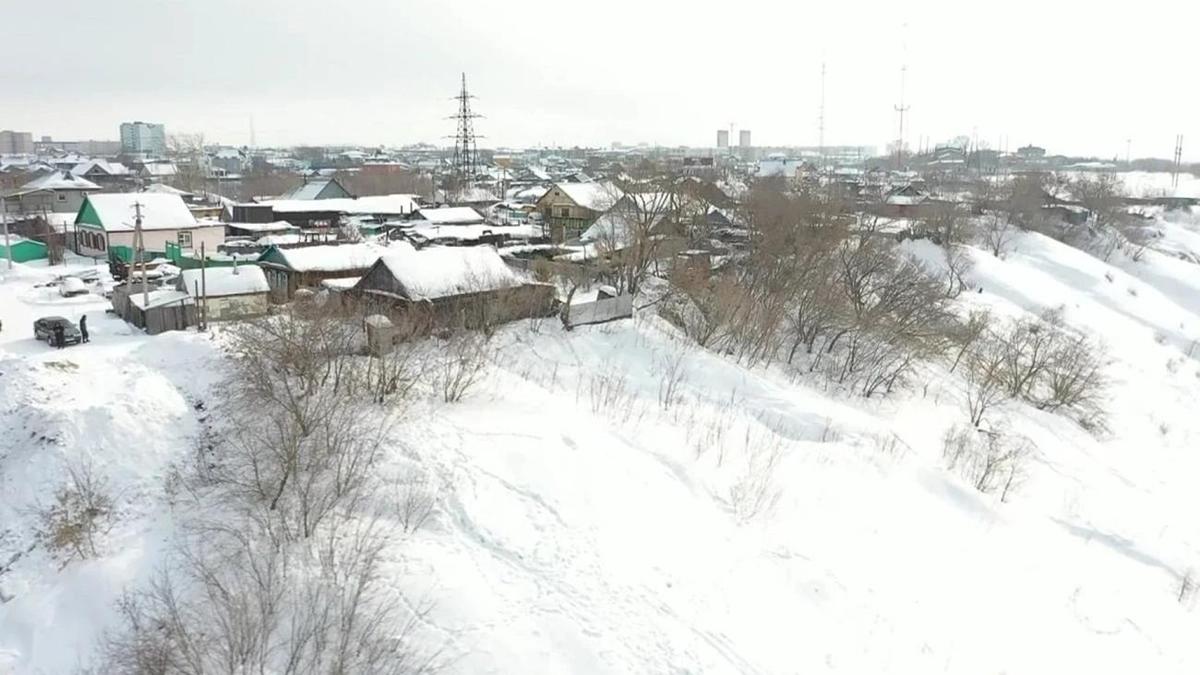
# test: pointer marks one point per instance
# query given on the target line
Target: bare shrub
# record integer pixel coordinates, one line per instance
(985, 361)
(754, 492)
(416, 500)
(1187, 587)
(461, 366)
(82, 512)
(672, 371)
(992, 461)
(239, 603)
(996, 233)
(609, 392)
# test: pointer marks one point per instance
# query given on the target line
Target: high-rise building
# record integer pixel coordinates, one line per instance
(16, 142)
(143, 138)
(722, 138)
(744, 138)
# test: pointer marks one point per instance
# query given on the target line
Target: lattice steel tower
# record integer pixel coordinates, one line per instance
(466, 157)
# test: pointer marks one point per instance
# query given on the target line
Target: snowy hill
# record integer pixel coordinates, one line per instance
(612, 500)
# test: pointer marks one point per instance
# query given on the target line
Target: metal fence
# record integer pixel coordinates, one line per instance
(599, 311)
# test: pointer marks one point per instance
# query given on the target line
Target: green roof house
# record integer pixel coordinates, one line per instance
(104, 226)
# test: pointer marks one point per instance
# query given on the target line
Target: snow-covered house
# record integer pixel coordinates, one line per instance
(289, 269)
(103, 172)
(443, 287)
(319, 188)
(325, 213)
(105, 224)
(570, 208)
(56, 192)
(228, 293)
(903, 201)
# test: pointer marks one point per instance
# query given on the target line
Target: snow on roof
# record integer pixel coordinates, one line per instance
(277, 226)
(223, 281)
(60, 180)
(531, 193)
(160, 298)
(308, 191)
(332, 258)
(451, 215)
(343, 284)
(110, 168)
(594, 196)
(159, 211)
(471, 232)
(398, 204)
(474, 194)
(165, 189)
(159, 169)
(440, 272)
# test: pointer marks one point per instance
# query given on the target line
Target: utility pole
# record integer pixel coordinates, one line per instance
(901, 108)
(140, 253)
(1178, 161)
(4, 223)
(821, 121)
(1128, 145)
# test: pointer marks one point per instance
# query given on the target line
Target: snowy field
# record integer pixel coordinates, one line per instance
(590, 521)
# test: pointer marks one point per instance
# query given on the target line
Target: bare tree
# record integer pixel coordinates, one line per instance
(81, 513)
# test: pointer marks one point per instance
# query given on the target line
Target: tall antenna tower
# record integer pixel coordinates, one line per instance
(253, 144)
(901, 108)
(466, 155)
(1178, 161)
(821, 120)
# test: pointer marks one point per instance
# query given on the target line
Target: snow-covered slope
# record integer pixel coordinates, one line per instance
(595, 519)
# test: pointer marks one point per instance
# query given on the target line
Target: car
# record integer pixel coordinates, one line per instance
(72, 286)
(43, 329)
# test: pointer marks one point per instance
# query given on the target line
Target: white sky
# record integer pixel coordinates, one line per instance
(1075, 77)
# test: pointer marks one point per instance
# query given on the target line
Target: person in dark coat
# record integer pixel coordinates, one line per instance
(60, 339)
(83, 328)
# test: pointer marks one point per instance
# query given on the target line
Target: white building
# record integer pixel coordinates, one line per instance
(143, 138)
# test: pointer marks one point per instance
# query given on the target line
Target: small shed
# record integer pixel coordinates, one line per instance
(227, 293)
(165, 310)
(23, 250)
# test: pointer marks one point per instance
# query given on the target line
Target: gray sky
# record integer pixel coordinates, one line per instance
(1074, 77)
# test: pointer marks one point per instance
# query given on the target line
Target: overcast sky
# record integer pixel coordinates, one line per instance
(1076, 78)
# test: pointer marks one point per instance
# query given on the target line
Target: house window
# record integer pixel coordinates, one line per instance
(564, 212)
(185, 240)
(60, 196)
(100, 243)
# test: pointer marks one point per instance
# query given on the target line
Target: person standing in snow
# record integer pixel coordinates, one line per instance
(60, 339)
(83, 334)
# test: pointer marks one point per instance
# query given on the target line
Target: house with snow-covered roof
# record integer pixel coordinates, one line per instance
(290, 269)
(570, 208)
(450, 287)
(103, 172)
(228, 293)
(318, 188)
(104, 226)
(55, 192)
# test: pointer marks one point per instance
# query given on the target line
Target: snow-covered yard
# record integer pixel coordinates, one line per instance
(614, 501)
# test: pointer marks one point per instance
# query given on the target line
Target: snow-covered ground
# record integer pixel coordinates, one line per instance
(589, 526)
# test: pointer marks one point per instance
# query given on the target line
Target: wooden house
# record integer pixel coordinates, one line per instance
(288, 270)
